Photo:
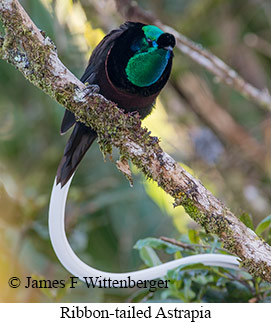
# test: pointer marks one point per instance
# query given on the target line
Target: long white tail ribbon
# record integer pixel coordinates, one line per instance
(79, 269)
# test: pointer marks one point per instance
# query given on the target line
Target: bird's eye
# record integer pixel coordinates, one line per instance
(150, 42)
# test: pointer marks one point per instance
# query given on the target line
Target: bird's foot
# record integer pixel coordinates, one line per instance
(90, 89)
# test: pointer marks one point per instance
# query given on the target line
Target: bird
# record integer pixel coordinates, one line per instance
(130, 66)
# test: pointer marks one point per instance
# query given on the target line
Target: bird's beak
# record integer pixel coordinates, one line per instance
(168, 48)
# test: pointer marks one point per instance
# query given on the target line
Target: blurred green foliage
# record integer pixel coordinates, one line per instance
(199, 283)
(105, 217)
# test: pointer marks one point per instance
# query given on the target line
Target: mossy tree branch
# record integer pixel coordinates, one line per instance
(30, 51)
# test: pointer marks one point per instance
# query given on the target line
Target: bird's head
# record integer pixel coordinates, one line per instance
(154, 38)
(141, 56)
(151, 52)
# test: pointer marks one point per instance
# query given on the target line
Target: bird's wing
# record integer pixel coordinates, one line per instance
(97, 58)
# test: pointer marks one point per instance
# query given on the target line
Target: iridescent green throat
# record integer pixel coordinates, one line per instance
(149, 62)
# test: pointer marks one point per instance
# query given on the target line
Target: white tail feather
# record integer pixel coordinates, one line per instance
(79, 269)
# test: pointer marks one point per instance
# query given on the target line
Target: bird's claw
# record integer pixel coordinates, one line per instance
(90, 89)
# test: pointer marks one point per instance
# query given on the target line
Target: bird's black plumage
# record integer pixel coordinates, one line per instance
(107, 68)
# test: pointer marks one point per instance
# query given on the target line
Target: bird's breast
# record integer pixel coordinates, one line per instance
(125, 100)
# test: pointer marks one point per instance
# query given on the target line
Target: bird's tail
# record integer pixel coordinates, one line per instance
(79, 142)
(79, 269)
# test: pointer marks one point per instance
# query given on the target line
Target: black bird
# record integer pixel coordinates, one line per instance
(130, 65)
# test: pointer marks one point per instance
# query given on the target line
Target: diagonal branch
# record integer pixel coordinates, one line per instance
(224, 73)
(35, 56)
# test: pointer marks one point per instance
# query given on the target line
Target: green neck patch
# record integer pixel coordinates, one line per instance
(149, 62)
(145, 68)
